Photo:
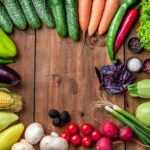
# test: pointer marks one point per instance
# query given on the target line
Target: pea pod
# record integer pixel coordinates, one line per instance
(7, 48)
(10, 136)
(6, 119)
(115, 24)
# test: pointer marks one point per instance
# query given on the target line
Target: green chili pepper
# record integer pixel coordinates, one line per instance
(115, 24)
(7, 48)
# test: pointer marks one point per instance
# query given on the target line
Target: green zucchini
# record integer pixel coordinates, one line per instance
(43, 12)
(58, 11)
(72, 19)
(14, 10)
(5, 21)
(30, 13)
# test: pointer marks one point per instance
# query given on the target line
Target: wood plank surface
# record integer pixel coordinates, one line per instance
(54, 75)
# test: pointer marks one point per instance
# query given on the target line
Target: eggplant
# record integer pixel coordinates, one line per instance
(8, 76)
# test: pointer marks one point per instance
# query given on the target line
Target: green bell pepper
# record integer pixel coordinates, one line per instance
(7, 48)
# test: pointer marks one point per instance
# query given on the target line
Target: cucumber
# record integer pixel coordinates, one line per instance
(30, 13)
(72, 19)
(58, 11)
(43, 12)
(15, 13)
(5, 21)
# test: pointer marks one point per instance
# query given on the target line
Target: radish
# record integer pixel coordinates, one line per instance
(126, 134)
(104, 143)
(109, 129)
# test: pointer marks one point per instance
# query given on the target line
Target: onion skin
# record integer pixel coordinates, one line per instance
(8, 77)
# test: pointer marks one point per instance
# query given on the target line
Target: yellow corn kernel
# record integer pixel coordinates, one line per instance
(5, 99)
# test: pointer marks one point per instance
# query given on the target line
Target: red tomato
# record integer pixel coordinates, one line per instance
(75, 139)
(86, 128)
(72, 128)
(87, 141)
(65, 135)
(95, 135)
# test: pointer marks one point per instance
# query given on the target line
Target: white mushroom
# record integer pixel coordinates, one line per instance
(53, 142)
(34, 132)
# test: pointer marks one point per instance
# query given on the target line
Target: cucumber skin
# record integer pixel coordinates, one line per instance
(44, 13)
(14, 10)
(58, 11)
(30, 13)
(5, 21)
(72, 19)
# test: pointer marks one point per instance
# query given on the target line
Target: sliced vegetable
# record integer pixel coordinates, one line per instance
(96, 15)
(84, 11)
(58, 10)
(110, 9)
(143, 113)
(7, 48)
(10, 101)
(115, 24)
(30, 13)
(10, 136)
(43, 12)
(126, 26)
(140, 89)
(5, 21)
(6, 119)
(15, 13)
(8, 76)
(114, 78)
(144, 30)
(72, 19)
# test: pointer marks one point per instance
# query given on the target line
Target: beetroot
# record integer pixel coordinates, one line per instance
(125, 134)
(104, 143)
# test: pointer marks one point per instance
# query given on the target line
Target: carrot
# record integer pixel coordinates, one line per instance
(110, 9)
(84, 11)
(96, 14)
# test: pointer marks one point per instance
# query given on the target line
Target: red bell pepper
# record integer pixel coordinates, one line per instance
(125, 27)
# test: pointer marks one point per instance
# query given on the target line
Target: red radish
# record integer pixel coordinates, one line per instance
(72, 128)
(86, 128)
(104, 143)
(84, 11)
(95, 135)
(96, 14)
(65, 135)
(86, 141)
(109, 129)
(75, 139)
(125, 134)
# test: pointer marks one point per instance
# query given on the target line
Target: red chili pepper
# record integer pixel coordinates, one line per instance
(125, 27)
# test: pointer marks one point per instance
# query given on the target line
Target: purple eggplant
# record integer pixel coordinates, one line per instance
(8, 77)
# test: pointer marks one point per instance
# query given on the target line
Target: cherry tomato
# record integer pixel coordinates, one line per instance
(72, 128)
(75, 139)
(86, 128)
(86, 141)
(65, 135)
(95, 135)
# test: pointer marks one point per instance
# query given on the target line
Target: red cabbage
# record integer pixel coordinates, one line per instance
(115, 78)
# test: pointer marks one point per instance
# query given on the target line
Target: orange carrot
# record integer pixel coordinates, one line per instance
(96, 14)
(110, 9)
(84, 10)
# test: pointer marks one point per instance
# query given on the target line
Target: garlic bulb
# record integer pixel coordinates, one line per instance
(34, 132)
(53, 142)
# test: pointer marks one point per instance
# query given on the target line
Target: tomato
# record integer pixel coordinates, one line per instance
(72, 128)
(86, 141)
(95, 135)
(86, 128)
(75, 139)
(65, 135)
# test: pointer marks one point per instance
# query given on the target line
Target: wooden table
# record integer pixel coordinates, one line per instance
(54, 75)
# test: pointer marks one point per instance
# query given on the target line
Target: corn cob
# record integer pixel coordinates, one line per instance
(10, 101)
